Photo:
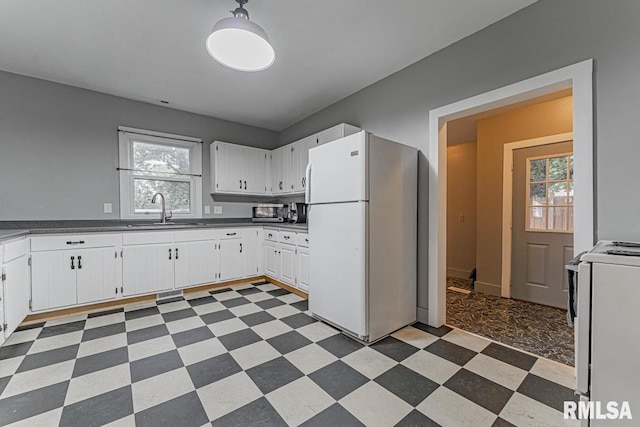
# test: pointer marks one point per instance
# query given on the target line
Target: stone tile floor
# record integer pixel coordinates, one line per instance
(530, 327)
(252, 355)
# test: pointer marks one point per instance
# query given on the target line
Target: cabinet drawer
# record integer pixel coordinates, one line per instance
(148, 238)
(271, 235)
(195, 235)
(15, 250)
(287, 237)
(230, 233)
(303, 240)
(74, 241)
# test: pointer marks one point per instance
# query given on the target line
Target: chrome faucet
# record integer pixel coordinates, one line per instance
(163, 216)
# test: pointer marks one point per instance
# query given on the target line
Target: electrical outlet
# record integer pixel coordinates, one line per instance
(461, 217)
(207, 209)
(108, 208)
(217, 210)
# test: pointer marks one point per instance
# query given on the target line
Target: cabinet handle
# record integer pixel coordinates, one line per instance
(80, 242)
(79, 262)
(270, 235)
(169, 253)
(303, 178)
(73, 267)
(231, 234)
(240, 247)
(241, 184)
(306, 240)
(281, 185)
(176, 253)
(287, 237)
(245, 185)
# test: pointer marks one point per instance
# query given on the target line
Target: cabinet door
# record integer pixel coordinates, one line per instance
(197, 263)
(287, 168)
(302, 276)
(288, 264)
(330, 134)
(231, 259)
(147, 268)
(228, 168)
(300, 161)
(96, 274)
(271, 260)
(255, 171)
(53, 279)
(277, 173)
(252, 256)
(16, 293)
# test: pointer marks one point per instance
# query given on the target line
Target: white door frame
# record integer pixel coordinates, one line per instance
(579, 77)
(507, 199)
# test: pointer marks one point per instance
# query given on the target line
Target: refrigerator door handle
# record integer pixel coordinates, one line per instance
(307, 179)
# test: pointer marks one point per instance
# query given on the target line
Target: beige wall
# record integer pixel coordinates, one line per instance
(544, 119)
(461, 200)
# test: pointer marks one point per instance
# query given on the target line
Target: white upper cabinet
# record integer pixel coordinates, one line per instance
(236, 169)
(300, 160)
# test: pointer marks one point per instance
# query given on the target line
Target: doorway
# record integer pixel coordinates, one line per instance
(579, 78)
(486, 170)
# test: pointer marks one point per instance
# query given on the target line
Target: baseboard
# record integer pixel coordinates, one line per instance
(124, 302)
(287, 287)
(487, 288)
(458, 272)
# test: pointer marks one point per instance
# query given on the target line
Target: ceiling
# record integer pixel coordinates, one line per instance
(152, 50)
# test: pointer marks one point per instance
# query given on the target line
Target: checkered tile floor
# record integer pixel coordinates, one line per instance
(252, 355)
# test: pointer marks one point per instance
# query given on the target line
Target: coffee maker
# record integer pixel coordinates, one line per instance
(297, 213)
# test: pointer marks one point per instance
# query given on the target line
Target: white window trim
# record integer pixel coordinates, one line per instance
(126, 136)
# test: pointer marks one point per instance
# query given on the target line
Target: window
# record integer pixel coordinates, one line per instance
(550, 193)
(152, 162)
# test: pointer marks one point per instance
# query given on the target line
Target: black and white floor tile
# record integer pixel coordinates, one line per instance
(252, 355)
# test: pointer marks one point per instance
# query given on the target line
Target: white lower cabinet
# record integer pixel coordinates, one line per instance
(231, 259)
(14, 287)
(63, 277)
(302, 277)
(147, 268)
(253, 255)
(197, 263)
(287, 255)
(271, 260)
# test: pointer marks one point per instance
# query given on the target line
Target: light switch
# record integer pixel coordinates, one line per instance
(108, 208)
(207, 209)
(217, 210)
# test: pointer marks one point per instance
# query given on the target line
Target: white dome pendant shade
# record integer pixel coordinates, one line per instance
(240, 44)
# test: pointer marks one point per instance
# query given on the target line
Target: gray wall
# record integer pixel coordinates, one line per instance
(545, 36)
(59, 148)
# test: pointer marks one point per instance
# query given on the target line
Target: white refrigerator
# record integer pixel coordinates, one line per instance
(362, 196)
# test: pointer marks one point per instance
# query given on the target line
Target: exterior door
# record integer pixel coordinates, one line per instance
(542, 223)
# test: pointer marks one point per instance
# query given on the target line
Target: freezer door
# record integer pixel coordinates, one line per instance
(337, 171)
(337, 265)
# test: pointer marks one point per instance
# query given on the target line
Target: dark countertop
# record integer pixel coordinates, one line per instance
(14, 229)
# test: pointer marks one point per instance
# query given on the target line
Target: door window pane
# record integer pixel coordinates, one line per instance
(558, 193)
(557, 219)
(557, 168)
(538, 194)
(538, 170)
(537, 218)
(177, 195)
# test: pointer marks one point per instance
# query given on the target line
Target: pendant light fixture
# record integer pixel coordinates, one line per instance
(239, 43)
